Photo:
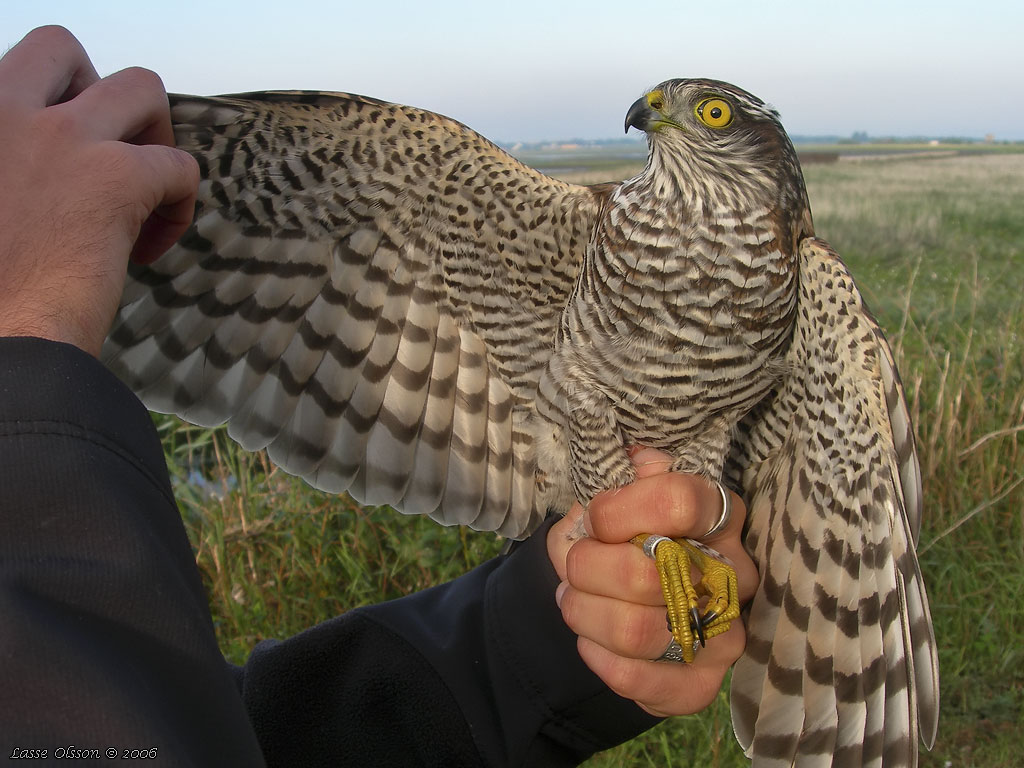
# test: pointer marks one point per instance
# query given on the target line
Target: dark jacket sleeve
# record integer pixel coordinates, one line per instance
(479, 671)
(106, 638)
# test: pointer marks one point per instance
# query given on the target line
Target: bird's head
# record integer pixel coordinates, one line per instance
(718, 142)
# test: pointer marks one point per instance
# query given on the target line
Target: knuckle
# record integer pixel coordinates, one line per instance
(52, 35)
(635, 632)
(644, 575)
(180, 162)
(576, 562)
(142, 78)
(684, 690)
(682, 500)
(708, 682)
(734, 642)
(50, 126)
(568, 607)
(619, 675)
(601, 512)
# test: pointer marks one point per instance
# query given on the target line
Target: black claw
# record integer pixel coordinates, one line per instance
(696, 626)
(708, 618)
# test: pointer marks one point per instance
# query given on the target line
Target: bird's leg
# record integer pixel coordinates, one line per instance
(688, 624)
(597, 460)
(704, 452)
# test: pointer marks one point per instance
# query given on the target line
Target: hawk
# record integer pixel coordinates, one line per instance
(392, 305)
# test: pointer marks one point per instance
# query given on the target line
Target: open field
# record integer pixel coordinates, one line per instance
(937, 244)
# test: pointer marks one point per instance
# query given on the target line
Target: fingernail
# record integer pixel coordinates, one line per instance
(559, 592)
(650, 456)
(587, 525)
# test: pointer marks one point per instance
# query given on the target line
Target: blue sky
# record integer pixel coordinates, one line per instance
(532, 70)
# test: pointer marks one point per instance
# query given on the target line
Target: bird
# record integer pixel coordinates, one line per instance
(393, 306)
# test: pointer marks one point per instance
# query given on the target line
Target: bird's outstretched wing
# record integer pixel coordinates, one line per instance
(369, 291)
(840, 666)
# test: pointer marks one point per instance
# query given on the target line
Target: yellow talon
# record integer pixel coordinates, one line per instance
(689, 626)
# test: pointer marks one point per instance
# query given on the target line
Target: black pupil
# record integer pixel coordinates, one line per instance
(716, 112)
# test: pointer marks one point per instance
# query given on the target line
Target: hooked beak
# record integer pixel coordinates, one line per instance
(640, 115)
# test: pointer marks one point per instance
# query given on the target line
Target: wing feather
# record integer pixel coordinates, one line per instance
(840, 664)
(920, 635)
(391, 447)
(369, 291)
(432, 449)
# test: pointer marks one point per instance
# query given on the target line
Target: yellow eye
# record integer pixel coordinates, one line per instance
(714, 113)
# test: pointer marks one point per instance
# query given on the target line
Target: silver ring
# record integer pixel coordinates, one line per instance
(673, 652)
(724, 517)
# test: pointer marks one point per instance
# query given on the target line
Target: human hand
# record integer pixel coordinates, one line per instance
(91, 178)
(611, 595)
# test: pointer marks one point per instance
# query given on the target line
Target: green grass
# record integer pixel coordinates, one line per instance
(278, 556)
(937, 245)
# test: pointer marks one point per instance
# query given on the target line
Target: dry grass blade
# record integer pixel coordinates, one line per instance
(990, 436)
(977, 510)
